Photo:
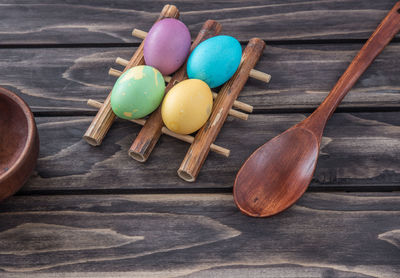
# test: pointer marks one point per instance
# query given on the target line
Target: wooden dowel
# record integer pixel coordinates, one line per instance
(167, 78)
(256, 74)
(259, 75)
(239, 105)
(104, 118)
(238, 114)
(186, 138)
(232, 112)
(121, 61)
(148, 136)
(139, 34)
(200, 148)
(115, 72)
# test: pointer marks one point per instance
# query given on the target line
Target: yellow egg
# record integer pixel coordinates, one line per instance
(187, 106)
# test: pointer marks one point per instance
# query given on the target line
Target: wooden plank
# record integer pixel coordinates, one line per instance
(62, 79)
(58, 22)
(324, 234)
(359, 150)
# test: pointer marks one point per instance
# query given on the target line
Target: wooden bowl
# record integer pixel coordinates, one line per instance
(19, 143)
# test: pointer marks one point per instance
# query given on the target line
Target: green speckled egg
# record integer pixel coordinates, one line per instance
(137, 92)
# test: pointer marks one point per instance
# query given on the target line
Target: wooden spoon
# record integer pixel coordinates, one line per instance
(277, 174)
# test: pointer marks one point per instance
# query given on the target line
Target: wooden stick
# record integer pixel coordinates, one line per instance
(167, 78)
(237, 104)
(121, 61)
(104, 118)
(256, 74)
(164, 130)
(232, 112)
(237, 114)
(151, 131)
(115, 72)
(259, 75)
(200, 148)
(139, 34)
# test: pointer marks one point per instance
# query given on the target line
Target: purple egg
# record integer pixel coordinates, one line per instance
(167, 45)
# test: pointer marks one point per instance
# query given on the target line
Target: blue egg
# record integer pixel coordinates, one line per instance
(215, 60)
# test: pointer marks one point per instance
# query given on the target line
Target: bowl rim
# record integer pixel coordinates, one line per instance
(30, 141)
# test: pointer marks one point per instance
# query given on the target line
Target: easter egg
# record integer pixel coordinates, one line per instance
(187, 106)
(215, 60)
(137, 92)
(167, 45)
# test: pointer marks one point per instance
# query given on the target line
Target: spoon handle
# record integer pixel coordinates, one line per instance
(383, 34)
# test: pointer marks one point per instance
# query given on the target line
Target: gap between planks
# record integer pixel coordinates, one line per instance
(262, 111)
(136, 44)
(347, 188)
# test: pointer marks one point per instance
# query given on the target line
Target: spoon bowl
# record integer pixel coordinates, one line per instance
(271, 179)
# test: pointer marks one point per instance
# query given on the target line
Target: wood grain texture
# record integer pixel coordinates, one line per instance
(202, 235)
(199, 236)
(63, 79)
(363, 154)
(55, 22)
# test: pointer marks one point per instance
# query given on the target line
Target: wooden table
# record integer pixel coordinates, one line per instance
(94, 212)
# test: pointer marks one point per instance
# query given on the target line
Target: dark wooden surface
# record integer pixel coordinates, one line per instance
(199, 235)
(86, 22)
(359, 150)
(95, 212)
(61, 79)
